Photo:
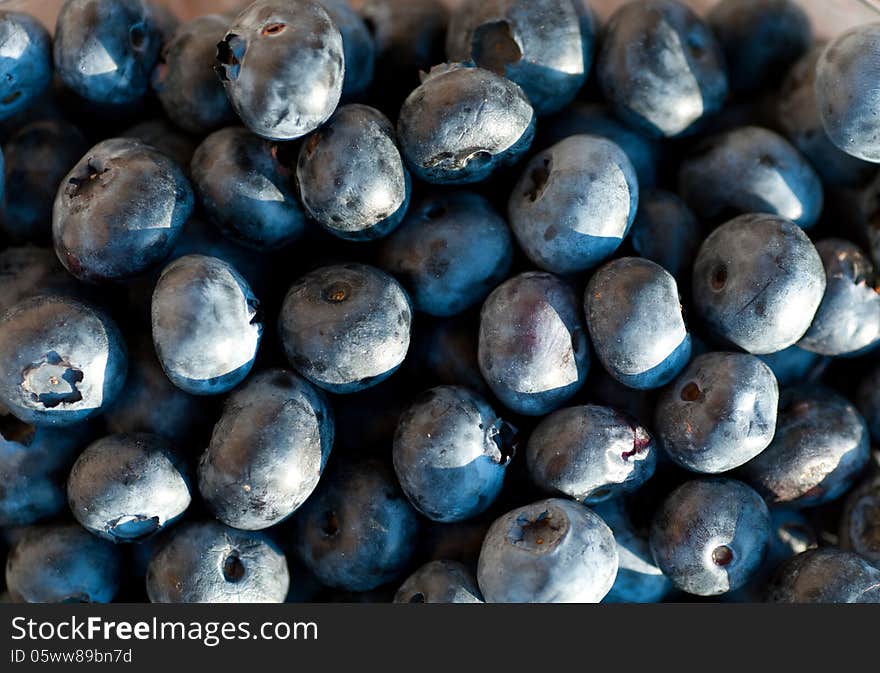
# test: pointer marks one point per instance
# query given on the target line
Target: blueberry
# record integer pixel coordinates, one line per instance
(750, 170)
(409, 37)
(351, 177)
(358, 49)
(450, 251)
(62, 361)
(440, 582)
(826, 575)
(33, 465)
(545, 46)
(660, 67)
(150, 403)
(105, 49)
(665, 231)
(634, 317)
(119, 211)
(28, 271)
(847, 91)
(207, 562)
(792, 365)
(450, 453)
(639, 580)
(710, 535)
(37, 158)
(463, 123)
(206, 325)
(357, 531)
(552, 551)
(244, 188)
(760, 39)
(861, 518)
(574, 204)
(167, 138)
(757, 282)
(188, 89)
(62, 563)
(590, 453)
(799, 118)
(346, 327)
(848, 319)
(25, 61)
(597, 120)
(532, 347)
(869, 401)
(282, 64)
(267, 451)
(125, 488)
(720, 412)
(820, 448)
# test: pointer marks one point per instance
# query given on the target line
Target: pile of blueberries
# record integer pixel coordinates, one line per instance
(316, 303)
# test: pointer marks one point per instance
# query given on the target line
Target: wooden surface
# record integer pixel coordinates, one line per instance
(829, 16)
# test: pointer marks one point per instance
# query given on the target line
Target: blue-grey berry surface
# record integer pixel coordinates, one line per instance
(667, 232)
(440, 582)
(358, 48)
(25, 60)
(825, 575)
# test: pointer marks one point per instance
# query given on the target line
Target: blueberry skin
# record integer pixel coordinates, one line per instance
(27, 271)
(720, 412)
(869, 401)
(38, 157)
(848, 319)
(532, 348)
(820, 448)
(33, 464)
(750, 170)
(167, 138)
(345, 327)
(150, 403)
(665, 231)
(462, 124)
(351, 177)
(440, 582)
(760, 39)
(62, 361)
(206, 325)
(358, 49)
(245, 189)
(799, 118)
(184, 80)
(119, 211)
(638, 580)
(590, 453)
(125, 488)
(357, 531)
(451, 250)
(710, 535)
(858, 523)
(544, 46)
(267, 452)
(282, 64)
(634, 318)
(847, 92)
(62, 563)
(792, 365)
(105, 49)
(25, 61)
(757, 282)
(593, 119)
(574, 204)
(660, 67)
(551, 551)
(825, 575)
(207, 562)
(409, 37)
(450, 453)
